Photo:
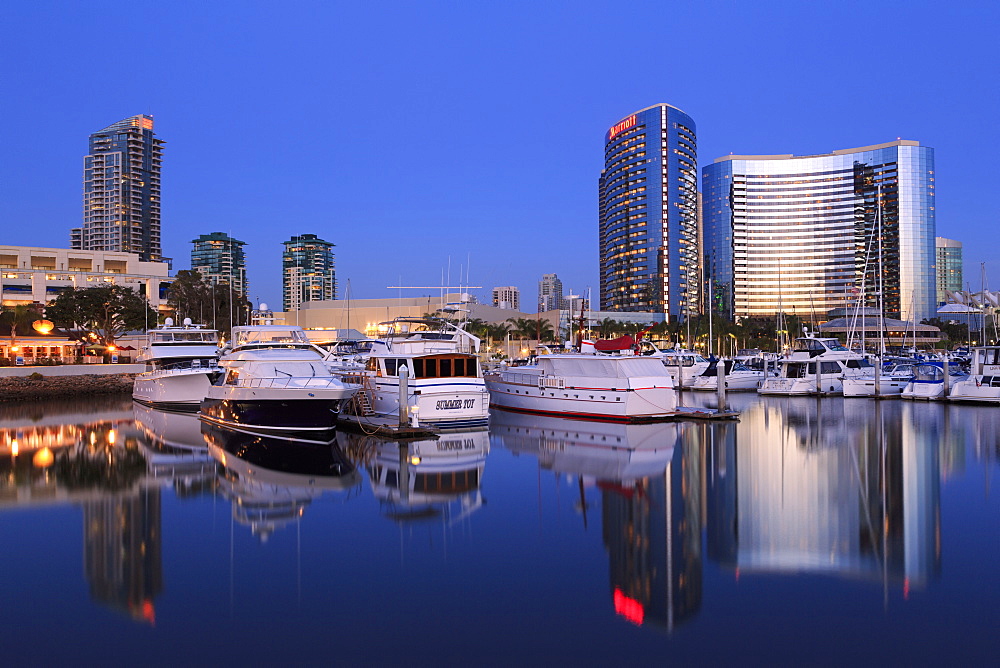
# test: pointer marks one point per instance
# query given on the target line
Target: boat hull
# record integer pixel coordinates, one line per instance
(611, 405)
(172, 390)
(977, 389)
(801, 386)
(272, 415)
(866, 387)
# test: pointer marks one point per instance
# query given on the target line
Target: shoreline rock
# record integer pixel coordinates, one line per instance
(26, 388)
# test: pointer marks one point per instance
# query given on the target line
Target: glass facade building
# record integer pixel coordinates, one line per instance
(949, 267)
(550, 293)
(308, 273)
(121, 191)
(805, 235)
(648, 208)
(220, 259)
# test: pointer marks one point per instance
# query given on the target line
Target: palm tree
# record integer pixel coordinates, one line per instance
(20, 315)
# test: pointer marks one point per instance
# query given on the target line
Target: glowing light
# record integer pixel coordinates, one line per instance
(629, 608)
(43, 326)
(112, 349)
(43, 458)
(14, 447)
(621, 127)
(112, 436)
(415, 459)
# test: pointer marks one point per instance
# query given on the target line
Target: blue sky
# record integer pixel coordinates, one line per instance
(419, 136)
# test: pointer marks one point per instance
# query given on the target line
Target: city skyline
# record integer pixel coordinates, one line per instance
(263, 138)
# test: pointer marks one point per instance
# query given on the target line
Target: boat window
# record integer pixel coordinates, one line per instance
(390, 366)
(459, 366)
(430, 368)
(445, 368)
(795, 370)
(418, 368)
(829, 367)
(371, 364)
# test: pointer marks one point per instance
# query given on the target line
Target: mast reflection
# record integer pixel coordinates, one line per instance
(650, 479)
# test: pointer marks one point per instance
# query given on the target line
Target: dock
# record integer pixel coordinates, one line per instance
(383, 426)
(698, 413)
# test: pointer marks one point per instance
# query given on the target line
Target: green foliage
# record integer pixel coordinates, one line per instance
(192, 296)
(19, 318)
(35, 376)
(106, 310)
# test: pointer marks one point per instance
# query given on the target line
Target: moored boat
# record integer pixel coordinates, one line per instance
(181, 363)
(983, 383)
(428, 364)
(816, 366)
(595, 387)
(274, 380)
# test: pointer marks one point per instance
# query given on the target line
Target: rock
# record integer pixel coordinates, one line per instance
(29, 389)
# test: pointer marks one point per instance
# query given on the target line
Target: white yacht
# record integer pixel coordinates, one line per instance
(928, 382)
(983, 383)
(595, 387)
(274, 380)
(684, 365)
(432, 361)
(890, 382)
(738, 377)
(816, 366)
(181, 363)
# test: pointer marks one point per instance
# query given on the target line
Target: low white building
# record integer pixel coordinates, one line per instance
(35, 275)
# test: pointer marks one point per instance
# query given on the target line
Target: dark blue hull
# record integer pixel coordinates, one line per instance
(273, 415)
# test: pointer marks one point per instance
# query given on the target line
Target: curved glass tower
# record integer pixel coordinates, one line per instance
(649, 214)
(805, 235)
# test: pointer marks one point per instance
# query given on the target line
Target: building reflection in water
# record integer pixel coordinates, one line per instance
(846, 488)
(98, 454)
(270, 481)
(650, 479)
(432, 480)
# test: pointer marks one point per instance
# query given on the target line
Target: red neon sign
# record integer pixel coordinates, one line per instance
(621, 127)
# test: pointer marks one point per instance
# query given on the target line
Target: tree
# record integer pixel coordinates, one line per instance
(106, 310)
(192, 296)
(20, 317)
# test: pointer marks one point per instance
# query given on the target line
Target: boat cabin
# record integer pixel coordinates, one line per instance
(447, 365)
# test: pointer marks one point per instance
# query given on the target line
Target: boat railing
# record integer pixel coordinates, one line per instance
(552, 382)
(287, 382)
(181, 367)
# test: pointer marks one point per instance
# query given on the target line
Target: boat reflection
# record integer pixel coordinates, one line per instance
(650, 481)
(271, 480)
(174, 448)
(423, 480)
(800, 489)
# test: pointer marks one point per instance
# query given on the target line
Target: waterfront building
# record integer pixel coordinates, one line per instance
(121, 191)
(550, 293)
(806, 234)
(308, 272)
(219, 258)
(648, 208)
(507, 297)
(949, 267)
(31, 275)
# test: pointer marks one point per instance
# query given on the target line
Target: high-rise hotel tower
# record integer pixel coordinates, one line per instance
(121, 191)
(805, 235)
(308, 272)
(649, 214)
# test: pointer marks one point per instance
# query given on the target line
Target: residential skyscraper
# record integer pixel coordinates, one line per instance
(948, 267)
(550, 293)
(308, 273)
(220, 259)
(121, 191)
(807, 234)
(507, 297)
(648, 193)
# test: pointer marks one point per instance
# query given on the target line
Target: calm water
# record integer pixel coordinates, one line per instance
(811, 531)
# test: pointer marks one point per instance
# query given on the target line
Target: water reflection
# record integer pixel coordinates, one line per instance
(423, 480)
(271, 481)
(649, 478)
(807, 486)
